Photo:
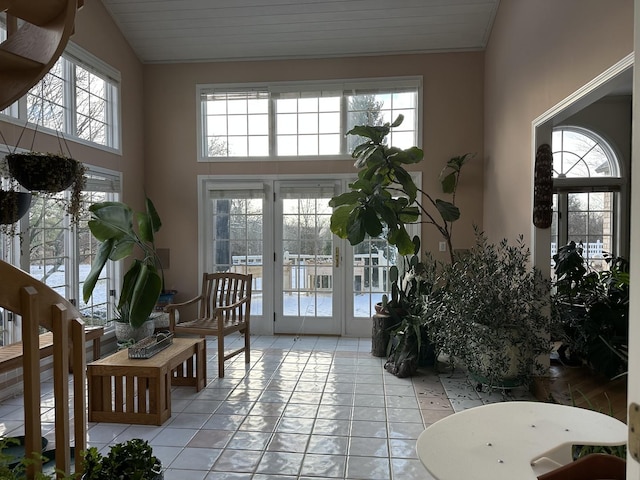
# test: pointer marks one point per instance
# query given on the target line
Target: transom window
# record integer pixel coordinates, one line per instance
(302, 120)
(79, 97)
(587, 194)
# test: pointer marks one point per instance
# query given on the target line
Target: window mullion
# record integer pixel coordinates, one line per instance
(69, 98)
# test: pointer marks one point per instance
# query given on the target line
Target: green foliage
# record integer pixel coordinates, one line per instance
(408, 340)
(131, 460)
(12, 468)
(489, 307)
(590, 309)
(112, 224)
(385, 198)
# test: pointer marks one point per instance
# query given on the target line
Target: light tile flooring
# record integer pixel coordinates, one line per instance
(304, 408)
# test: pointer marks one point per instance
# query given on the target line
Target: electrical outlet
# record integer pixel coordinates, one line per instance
(443, 246)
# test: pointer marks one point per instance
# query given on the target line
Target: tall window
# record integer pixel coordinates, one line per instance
(303, 119)
(79, 97)
(588, 182)
(60, 254)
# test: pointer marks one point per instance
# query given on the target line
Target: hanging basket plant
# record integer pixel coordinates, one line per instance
(45, 172)
(49, 173)
(13, 206)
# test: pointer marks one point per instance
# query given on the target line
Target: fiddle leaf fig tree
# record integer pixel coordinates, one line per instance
(384, 198)
(112, 224)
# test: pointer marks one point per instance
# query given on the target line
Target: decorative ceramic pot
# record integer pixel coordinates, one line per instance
(125, 332)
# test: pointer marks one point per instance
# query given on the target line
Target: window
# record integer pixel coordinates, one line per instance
(59, 254)
(587, 202)
(302, 120)
(79, 97)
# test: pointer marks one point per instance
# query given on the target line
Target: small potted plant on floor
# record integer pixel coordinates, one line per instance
(130, 460)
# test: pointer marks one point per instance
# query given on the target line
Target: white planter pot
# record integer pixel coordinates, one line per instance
(125, 332)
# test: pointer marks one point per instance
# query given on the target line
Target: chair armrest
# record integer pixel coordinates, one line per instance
(233, 305)
(172, 307)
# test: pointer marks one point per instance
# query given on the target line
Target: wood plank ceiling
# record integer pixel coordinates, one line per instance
(165, 31)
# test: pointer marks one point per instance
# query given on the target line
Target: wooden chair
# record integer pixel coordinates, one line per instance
(224, 307)
(596, 466)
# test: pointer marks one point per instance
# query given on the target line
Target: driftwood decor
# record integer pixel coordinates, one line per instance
(543, 187)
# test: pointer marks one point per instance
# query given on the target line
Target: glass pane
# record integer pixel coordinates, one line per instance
(237, 241)
(371, 261)
(307, 258)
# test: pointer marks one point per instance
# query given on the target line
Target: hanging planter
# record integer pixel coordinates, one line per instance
(49, 173)
(13, 206)
(44, 172)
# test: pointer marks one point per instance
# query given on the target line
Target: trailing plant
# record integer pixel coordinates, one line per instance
(489, 311)
(112, 224)
(385, 198)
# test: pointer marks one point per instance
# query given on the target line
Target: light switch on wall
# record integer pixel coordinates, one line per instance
(443, 246)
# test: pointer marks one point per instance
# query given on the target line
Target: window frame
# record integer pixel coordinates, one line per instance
(382, 85)
(16, 249)
(75, 55)
(615, 184)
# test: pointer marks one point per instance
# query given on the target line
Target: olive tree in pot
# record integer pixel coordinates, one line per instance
(492, 313)
(112, 224)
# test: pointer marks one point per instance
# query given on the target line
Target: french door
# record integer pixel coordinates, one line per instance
(305, 280)
(307, 260)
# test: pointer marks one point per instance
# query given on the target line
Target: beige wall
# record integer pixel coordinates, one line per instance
(538, 54)
(98, 34)
(453, 112)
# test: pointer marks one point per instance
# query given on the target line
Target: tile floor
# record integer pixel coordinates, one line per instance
(304, 408)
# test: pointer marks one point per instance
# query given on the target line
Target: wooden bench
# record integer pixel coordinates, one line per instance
(11, 355)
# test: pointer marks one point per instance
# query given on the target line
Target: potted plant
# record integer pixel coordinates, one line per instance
(385, 198)
(131, 460)
(590, 310)
(49, 173)
(14, 204)
(491, 313)
(399, 319)
(382, 202)
(127, 334)
(112, 224)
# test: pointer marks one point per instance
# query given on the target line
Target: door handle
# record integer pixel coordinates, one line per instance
(336, 258)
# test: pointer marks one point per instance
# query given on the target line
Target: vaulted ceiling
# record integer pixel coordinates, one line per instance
(164, 31)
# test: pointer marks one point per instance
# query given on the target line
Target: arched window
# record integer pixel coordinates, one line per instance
(587, 181)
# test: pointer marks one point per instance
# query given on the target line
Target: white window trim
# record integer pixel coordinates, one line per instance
(98, 67)
(408, 82)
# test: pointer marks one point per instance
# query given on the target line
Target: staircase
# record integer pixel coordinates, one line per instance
(37, 33)
(40, 306)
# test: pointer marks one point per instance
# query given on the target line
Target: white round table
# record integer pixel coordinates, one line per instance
(512, 440)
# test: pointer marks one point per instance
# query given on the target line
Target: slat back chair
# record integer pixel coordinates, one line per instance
(223, 307)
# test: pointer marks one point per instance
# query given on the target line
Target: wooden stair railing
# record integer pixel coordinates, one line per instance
(39, 305)
(37, 33)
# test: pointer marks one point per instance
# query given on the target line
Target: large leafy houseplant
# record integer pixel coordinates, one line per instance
(112, 224)
(384, 198)
(491, 313)
(590, 310)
